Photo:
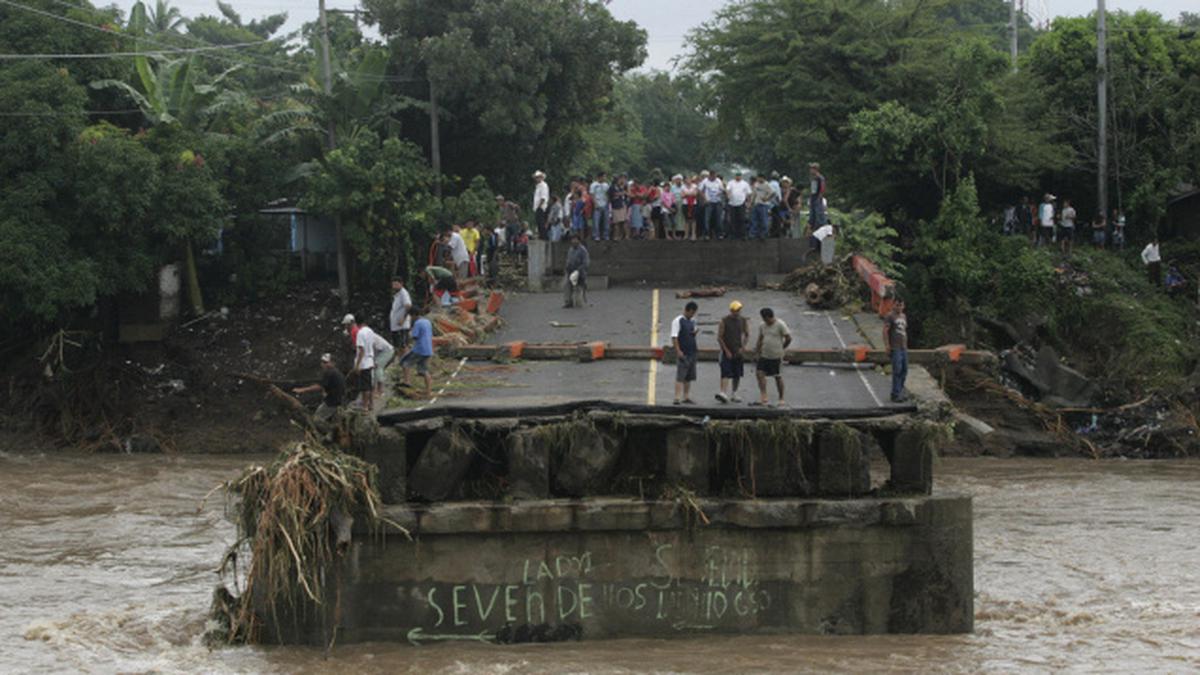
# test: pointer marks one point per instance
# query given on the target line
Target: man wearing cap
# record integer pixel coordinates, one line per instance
(541, 202)
(789, 205)
(333, 384)
(351, 327)
(372, 355)
(732, 334)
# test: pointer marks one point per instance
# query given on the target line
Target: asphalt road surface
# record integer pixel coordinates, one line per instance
(643, 316)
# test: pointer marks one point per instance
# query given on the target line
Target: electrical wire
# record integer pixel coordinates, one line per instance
(82, 24)
(118, 55)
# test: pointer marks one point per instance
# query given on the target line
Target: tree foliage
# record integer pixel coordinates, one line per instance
(518, 81)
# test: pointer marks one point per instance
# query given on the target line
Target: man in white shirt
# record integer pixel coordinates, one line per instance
(1046, 220)
(459, 253)
(398, 319)
(599, 192)
(1153, 262)
(822, 241)
(713, 191)
(371, 355)
(541, 202)
(738, 191)
(1067, 227)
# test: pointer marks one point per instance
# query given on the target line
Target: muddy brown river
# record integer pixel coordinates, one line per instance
(106, 565)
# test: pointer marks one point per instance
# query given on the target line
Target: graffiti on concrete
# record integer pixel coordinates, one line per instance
(554, 597)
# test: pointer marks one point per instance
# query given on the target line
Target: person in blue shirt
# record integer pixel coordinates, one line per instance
(420, 351)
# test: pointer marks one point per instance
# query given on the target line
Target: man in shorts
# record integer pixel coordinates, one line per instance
(732, 334)
(333, 385)
(683, 338)
(372, 354)
(773, 340)
(420, 352)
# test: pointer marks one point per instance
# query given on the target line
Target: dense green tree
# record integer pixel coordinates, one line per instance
(518, 81)
(380, 190)
(1154, 101)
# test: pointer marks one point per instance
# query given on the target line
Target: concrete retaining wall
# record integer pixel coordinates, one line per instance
(600, 453)
(557, 570)
(714, 262)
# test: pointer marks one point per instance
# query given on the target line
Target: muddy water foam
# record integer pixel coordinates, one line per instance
(107, 565)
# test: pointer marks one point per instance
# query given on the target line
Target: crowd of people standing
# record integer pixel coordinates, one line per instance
(1051, 222)
(685, 208)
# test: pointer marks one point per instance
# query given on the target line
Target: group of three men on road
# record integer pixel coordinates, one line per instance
(733, 334)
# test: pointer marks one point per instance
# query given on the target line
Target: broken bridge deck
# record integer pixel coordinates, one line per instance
(641, 316)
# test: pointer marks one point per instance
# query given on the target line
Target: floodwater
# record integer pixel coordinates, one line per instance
(107, 565)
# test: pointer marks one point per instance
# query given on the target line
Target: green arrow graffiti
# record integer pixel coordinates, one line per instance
(416, 636)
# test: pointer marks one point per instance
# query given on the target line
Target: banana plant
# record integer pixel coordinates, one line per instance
(167, 91)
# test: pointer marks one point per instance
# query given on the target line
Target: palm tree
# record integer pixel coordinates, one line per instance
(164, 18)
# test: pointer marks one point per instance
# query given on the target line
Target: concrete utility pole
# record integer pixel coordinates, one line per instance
(1101, 109)
(1012, 32)
(343, 272)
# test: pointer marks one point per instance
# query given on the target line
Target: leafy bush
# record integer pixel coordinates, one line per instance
(865, 233)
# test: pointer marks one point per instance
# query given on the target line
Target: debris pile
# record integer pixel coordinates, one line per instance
(294, 518)
(824, 287)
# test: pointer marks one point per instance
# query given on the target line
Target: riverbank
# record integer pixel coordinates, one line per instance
(1087, 567)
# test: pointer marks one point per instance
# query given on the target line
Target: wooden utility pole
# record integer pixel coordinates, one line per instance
(435, 141)
(1101, 109)
(1012, 32)
(343, 273)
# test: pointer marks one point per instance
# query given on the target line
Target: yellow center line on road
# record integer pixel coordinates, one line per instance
(652, 378)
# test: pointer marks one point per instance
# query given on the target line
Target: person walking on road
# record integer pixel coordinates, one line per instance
(332, 384)
(683, 338)
(575, 278)
(1153, 262)
(419, 354)
(773, 340)
(733, 333)
(398, 318)
(895, 341)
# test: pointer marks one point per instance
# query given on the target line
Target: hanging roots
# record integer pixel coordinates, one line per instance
(293, 519)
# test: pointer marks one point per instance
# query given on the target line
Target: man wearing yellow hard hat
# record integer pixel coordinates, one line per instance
(732, 333)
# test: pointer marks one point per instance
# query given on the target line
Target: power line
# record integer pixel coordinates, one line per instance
(117, 55)
(82, 24)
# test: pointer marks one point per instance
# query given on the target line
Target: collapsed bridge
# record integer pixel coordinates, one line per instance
(561, 499)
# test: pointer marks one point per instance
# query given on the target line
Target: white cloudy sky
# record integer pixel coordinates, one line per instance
(666, 21)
